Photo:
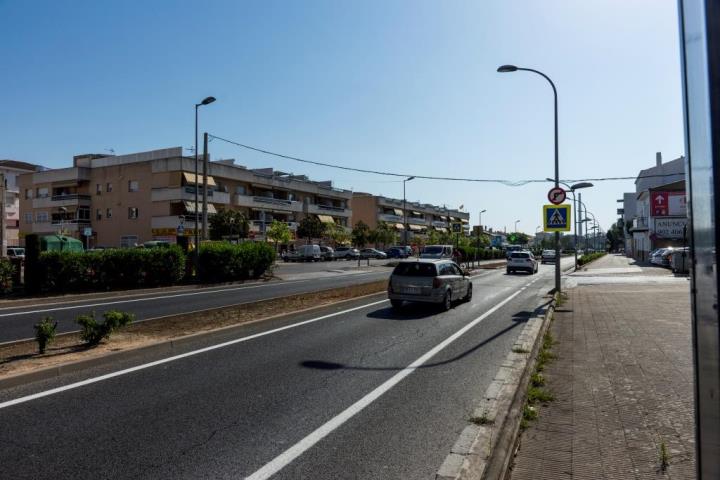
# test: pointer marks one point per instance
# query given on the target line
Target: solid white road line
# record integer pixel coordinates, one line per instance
(108, 376)
(285, 458)
(159, 297)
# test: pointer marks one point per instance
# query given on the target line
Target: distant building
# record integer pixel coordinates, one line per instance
(123, 200)
(9, 170)
(657, 209)
(421, 217)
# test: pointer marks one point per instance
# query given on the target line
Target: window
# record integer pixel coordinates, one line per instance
(127, 241)
(98, 189)
(43, 192)
(133, 186)
(108, 187)
(415, 269)
(108, 213)
(83, 213)
(240, 190)
(98, 214)
(41, 217)
(28, 193)
(133, 213)
(28, 216)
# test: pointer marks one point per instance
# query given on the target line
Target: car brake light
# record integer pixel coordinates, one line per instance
(437, 283)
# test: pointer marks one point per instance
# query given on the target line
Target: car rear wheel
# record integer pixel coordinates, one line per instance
(447, 301)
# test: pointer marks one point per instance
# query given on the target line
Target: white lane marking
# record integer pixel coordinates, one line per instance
(107, 376)
(160, 297)
(285, 458)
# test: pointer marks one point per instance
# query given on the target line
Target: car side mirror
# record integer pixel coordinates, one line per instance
(466, 273)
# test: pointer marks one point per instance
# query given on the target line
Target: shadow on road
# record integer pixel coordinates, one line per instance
(518, 319)
(409, 311)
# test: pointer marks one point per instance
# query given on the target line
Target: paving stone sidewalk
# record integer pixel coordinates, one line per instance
(623, 385)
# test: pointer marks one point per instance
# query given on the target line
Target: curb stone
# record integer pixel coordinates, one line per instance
(484, 451)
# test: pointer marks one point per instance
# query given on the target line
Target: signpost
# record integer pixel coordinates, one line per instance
(556, 218)
(556, 195)
(457, 228)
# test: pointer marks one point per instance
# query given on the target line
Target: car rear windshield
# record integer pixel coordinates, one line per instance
(519, 255)
(433, 250)
(415, 270)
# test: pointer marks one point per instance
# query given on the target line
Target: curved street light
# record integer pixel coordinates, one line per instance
(513, 68)
(205, 101)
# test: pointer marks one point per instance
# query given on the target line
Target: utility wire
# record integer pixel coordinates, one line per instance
(510, 183)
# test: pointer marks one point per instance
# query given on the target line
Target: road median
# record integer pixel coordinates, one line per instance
(20, 363)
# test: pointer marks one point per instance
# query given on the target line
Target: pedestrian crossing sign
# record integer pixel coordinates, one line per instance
(556, 218)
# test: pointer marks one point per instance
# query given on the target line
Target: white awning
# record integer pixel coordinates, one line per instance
(190, 207)
(416, 228)
(326, 219)
(441, 229)
(416, 213)
(398, 212)
(399, 226)
(190, 179)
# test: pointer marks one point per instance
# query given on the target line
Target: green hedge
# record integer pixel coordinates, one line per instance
(223, 261)
(469, 253)
(6, 275)
(110, 269)
(589, 257)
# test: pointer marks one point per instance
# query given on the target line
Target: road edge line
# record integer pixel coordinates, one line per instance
(485, 451)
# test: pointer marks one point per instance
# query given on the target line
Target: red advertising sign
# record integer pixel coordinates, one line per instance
(668, 204)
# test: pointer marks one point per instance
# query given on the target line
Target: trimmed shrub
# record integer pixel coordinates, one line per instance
(93, 332)
(45, 333)
(7, 269)
(223, 261)
(110, 269)
(589, 257)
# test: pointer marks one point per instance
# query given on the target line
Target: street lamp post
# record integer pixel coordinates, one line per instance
(516, 222)
(405, 224)
(513, 68)
(206, 101)
(571, 190)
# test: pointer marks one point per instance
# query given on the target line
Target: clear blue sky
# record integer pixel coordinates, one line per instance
(406, 86)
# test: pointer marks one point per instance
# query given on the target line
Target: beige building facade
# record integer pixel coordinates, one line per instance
(124, 200)
(9, 172)
(421, 217)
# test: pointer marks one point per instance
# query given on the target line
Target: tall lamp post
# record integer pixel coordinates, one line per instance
(571, 191)
(513, 68)
(516, 222)
(206, 101)
(405, 224)
(480, 227)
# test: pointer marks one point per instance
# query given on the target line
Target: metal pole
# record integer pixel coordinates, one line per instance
(575, 242)
(404, 217)
(197, 217)
(580, 217)
(557, 184)
(205, 174)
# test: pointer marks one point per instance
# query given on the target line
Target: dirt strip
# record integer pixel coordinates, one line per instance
(23, 357)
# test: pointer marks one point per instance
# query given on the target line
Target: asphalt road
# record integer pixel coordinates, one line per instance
(16, 323)
(321, 395)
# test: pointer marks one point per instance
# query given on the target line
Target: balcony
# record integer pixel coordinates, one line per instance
(440, 224)
(57, 201)
(390, 218)
(417, 221)
(640, 223)
(266, 203)
(318, 209)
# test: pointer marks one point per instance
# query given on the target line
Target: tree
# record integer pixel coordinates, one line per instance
(279, 232)
(360, 234)
(228, 223)
(310, 227)
(338, 234)
(383, 235)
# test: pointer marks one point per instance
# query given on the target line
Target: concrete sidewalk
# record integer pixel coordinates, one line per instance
(622, 382)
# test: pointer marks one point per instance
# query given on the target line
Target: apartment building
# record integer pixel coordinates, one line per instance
(9, 171)
(373, 209)
(123, 200)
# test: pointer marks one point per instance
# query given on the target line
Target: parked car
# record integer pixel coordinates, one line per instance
(655, 256)
(397, 252)
(304, 253)
(547, 256)
(665, 258)
(346, 253)
(327, 254)
(523, 261)
(437, 251)
(15, 252)
(372, 253)
(427, 280)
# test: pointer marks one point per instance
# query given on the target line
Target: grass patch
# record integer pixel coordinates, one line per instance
(520, 350)
(664, 457)
(539, 395)
(530, 414)
(481, 419)
(537, 379)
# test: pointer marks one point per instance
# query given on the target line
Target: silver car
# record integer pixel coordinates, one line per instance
(523, 261)
(429, 281)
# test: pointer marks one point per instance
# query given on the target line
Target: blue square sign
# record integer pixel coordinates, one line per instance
(556, 218)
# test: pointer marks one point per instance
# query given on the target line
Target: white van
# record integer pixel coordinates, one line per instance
(437, 251)
(309, 253)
